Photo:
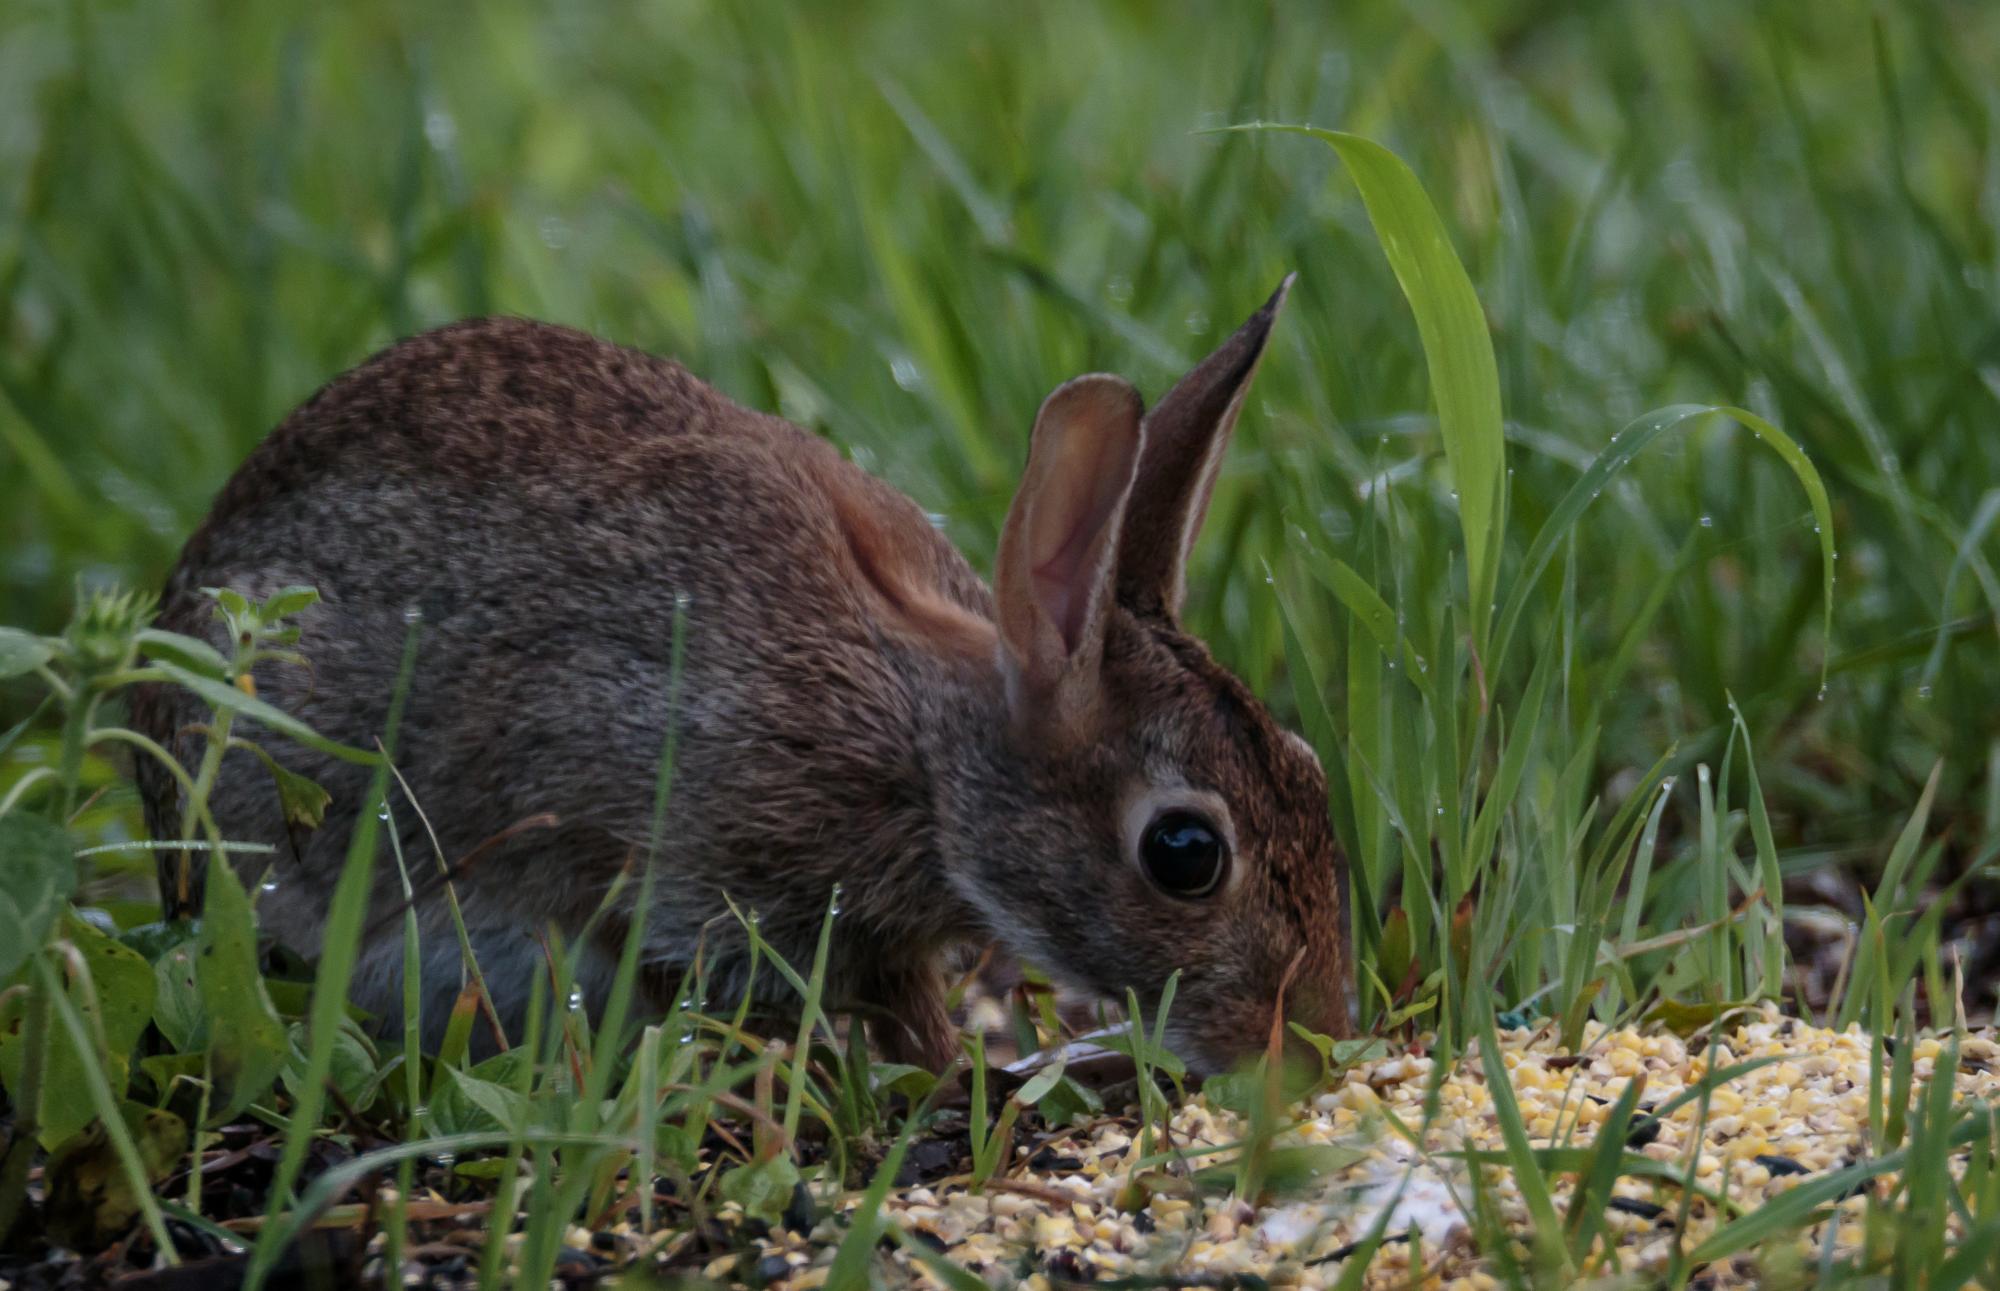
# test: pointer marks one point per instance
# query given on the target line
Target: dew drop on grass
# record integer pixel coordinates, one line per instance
(440, 131)
(1822, 694)
(904, 370)
(1708, 522)
(268, 885)
(1119, 289)
(575, 997)
(1197, 323)
(382, 813)
(413, 614)
(834, 908)
(1924, 692)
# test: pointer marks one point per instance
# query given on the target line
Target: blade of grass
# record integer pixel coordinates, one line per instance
(1465, 382)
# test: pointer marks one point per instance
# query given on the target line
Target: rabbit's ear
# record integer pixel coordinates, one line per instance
(1052, 578)
(1185, 439)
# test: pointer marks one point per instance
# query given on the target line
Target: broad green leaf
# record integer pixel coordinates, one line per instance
(115, 1006)
(901, 1078)
(21, 652)
(762, 1188)
(177, 1004)
(37, 875)
(1040, 1084)
(1069, 1102)
(223, 695)
(352, 1071)
(246, 1041)
(287, 601)
(154, 940)
(300, 798)
(483, 1099)
(191, 653)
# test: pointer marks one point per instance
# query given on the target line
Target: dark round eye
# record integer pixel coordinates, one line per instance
(1183, 853)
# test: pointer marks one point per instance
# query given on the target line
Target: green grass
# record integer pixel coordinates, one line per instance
(1713, 472)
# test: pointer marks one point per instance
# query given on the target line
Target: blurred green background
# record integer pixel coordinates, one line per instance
(901, 224)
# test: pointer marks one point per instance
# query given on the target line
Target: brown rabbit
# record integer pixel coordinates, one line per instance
(1055, 763)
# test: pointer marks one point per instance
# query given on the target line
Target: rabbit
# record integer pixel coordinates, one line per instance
(1055, 764)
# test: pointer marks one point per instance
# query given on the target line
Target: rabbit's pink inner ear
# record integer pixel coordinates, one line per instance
(1186, 436)
(1052, 581)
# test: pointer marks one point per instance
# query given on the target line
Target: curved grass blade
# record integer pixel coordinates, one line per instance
(1626, 445)
(1975, 534)
(1465, 381)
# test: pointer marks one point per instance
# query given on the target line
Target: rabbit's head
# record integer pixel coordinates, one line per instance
(1159, 820)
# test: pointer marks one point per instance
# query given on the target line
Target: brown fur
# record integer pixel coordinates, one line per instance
(857, 706)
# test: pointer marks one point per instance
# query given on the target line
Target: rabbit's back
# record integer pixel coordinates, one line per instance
(547, 502)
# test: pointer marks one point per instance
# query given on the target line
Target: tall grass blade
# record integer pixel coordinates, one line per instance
(1465, 382)
(345, 916)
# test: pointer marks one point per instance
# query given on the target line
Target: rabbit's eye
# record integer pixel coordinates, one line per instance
(1183, 853)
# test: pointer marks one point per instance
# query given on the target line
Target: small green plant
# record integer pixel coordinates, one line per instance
(80, 998)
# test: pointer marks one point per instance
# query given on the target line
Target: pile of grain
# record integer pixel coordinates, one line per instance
(1055, 1216)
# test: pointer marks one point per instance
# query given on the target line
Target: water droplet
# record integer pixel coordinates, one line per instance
(1119, 289)
(1924, 691)
(413, 614)
(1454, 495)
(555, 232)
(1383, 441)
(937, 519)
(439, 129)
(834, 908)
(447, 1160)
(270, 884)
(1822, 694)
(1708, 522)
(1196, 322)
(681, 602)
(382, 813)
(905, 371)
(420, 1111)
(575, 997)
